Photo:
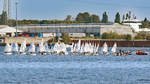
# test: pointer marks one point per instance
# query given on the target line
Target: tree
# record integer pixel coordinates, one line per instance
(83, 17)
(94, 19)
(68, 18)
(117, 18)
(86, 17)
(80, 18)
(4, 18)
(105, 18)
(145, 23)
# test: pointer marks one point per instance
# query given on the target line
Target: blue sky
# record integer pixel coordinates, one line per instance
(59, 9)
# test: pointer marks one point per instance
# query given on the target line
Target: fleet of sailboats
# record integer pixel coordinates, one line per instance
(59, 48)
(84, 48)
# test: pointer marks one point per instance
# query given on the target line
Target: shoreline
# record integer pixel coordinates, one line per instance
(100, 42)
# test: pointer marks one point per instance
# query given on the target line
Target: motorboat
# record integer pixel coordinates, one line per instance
(139, 52)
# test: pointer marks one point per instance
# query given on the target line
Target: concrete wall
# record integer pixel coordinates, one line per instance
(29, 40)
(120, 29)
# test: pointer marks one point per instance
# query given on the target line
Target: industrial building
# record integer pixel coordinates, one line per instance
(76, 30)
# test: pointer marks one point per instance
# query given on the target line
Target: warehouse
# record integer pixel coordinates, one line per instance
(77, 30)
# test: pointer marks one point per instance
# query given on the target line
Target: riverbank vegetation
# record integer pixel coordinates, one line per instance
(142, 36)
(113, 35)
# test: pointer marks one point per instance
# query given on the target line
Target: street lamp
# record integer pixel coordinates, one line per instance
(16, 19)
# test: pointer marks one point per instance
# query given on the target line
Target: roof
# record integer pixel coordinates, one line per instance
(7, 29)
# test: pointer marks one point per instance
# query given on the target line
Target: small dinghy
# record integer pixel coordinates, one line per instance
(15, 48)
(8, 49)
(105, 49)
(32, 49)
(22, 49)
(114, 49)
(42, 49)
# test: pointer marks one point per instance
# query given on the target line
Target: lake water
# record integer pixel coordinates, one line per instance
(18, 69)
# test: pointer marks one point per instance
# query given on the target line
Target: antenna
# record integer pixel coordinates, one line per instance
(9, 9)
(5, 5)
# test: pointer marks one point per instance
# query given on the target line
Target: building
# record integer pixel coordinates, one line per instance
(134, 23)
(119, 29)
(6, 31)
(77, 30)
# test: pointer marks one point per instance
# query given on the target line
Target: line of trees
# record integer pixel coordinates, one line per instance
(84, 17)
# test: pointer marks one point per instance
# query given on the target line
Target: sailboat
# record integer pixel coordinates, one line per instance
(15, 48)
(22, 49)
(77, 47)
(95, 50)
(8, 49)
(32, 49)
(46, 48)
(105, 49)
(42, 50)
(114, 48)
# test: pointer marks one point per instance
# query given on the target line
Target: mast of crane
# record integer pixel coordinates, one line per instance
(7, 7)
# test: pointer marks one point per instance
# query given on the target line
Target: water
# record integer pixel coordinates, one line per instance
(132, 69)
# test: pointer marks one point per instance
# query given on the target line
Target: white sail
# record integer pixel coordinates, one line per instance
(32, 48)
(114, 48)
(15, 47)
(23, 47)
(60, 47)
(97, 48)
(82, 48)
(105, 48)
(78, 46)
(46, 47)
(42, 47)
(8, 48)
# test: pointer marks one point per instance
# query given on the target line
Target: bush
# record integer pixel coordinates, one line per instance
(141, 35)
(128, 37)
(113, 35)
(54, 40)
(66, 39)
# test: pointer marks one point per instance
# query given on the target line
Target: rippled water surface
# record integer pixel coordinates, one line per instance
(18, 69)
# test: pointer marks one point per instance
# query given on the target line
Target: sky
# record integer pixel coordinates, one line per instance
(59, 9)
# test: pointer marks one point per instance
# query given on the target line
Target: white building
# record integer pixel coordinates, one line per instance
(7, 31)
(134, 23)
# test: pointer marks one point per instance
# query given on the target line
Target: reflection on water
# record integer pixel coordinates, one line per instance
(16, 69)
